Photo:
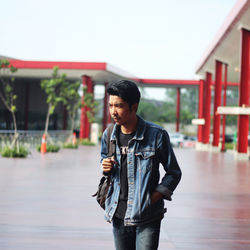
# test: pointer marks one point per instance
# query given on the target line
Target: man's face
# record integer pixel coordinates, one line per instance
(120, 111)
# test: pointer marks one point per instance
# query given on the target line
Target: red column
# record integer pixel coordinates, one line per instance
(178, 98)
(105, 108)
(217, 102)
(84, 123)
(224, 104)
(83, 111)
(206, 126)
(200, 108)
(243, 121)
(90, 89)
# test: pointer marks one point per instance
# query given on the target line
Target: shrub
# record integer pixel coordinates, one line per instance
(86, 142)
(70, 145)
(7, 151)
(229, 146)
(49, 148)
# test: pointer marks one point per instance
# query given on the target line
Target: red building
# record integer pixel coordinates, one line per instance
(225, 63)
(227, 59)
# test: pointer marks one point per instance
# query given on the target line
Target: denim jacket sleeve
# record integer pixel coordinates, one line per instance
(104, 149)
(168, 160)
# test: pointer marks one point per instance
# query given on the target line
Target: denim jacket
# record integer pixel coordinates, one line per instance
(149, 148)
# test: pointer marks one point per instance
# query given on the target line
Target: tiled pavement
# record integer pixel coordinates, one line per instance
(46, 203)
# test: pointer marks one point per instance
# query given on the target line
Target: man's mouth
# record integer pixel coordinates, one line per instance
(116, 118)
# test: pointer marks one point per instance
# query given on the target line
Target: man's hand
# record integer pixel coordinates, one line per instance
(155, 197)
(107, 164)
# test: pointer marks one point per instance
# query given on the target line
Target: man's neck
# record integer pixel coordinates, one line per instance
(130, 127)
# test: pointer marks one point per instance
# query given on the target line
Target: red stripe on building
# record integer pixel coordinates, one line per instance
(62, 65)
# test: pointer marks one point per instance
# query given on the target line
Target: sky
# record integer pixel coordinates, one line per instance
(160, 39)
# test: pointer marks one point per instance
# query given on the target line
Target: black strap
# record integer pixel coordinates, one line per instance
(110, 145)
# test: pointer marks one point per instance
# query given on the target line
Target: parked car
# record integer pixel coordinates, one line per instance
(176, 139)
(228, 138)
(189, 141)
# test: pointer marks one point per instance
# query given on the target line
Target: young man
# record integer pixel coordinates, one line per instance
(135, 200)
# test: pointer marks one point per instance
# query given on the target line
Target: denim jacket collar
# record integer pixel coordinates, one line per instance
(139, 135)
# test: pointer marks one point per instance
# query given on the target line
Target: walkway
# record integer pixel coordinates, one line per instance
(46, 203)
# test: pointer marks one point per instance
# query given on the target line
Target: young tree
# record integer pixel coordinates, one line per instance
(72, 101)
(90, 104)
(55, 89)
(7, 94)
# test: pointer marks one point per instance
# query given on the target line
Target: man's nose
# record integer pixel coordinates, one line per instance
(112, 110)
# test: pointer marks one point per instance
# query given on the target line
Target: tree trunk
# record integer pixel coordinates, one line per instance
(72, 122)
(47, 120)
(14, 122)
(15, 139)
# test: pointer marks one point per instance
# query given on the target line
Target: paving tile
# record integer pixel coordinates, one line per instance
(46, 203)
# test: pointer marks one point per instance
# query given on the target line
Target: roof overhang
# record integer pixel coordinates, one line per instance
(168, 82)
(226, 46)
(100, 72)
(176, 83)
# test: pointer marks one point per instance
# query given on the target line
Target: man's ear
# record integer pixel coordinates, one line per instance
(135, 107)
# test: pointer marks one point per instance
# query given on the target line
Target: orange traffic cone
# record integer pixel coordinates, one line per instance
(43, 145)
(74, 139)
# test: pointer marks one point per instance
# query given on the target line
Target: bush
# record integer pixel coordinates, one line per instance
(86, 142)
(50, 148)
(229, 146)
(7, 151)
(70, 145)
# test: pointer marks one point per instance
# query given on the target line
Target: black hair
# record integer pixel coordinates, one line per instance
(125, 89)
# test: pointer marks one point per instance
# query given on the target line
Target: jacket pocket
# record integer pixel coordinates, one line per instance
(145, 154)
(145, 159)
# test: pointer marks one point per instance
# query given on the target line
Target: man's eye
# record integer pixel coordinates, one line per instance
(116, 105)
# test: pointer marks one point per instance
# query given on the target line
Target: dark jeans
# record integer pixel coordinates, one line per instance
(144, 237)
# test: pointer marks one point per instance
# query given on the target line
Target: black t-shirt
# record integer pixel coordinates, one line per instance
(123, 140)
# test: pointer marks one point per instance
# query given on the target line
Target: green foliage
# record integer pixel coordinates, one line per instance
(54, 88)
(165, 112)
(160, 112)
(72, 100)
(231, 120)
(7, 94)
(86, 142)
(49, 148)
(186, 117)
(90, 104)
(148, 111)
(14, 152)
